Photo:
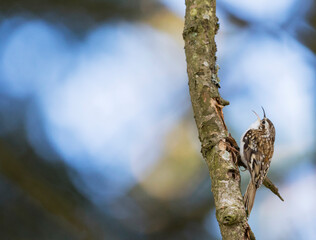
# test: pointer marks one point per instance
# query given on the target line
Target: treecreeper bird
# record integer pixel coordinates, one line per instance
(256, 150)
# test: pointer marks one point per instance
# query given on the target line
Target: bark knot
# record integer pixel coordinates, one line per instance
(229, 215)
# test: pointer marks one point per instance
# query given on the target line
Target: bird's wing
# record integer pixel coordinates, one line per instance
(254, 157)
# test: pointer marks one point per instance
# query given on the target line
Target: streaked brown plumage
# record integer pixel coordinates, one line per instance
(256, 148)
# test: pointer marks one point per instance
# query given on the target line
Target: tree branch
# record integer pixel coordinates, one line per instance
(268, 184)
(200, 48)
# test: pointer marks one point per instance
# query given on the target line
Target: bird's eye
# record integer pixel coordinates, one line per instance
(263, 122)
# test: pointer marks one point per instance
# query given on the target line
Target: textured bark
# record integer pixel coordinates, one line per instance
(201, 25)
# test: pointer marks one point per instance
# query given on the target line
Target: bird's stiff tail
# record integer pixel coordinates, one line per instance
(249, 197)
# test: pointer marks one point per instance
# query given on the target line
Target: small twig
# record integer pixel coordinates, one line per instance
(219, 110)
(268, 184)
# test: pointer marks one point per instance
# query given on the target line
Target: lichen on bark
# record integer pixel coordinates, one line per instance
(201, 25)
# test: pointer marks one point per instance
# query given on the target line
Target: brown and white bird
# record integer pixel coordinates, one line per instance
(256, 150)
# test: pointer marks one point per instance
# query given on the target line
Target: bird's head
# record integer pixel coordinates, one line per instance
(265, 124)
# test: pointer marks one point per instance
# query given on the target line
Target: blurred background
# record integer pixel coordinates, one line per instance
(97, 135)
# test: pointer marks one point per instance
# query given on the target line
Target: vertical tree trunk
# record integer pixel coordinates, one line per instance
(199, 32)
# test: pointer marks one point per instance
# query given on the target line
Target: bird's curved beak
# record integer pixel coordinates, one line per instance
(256, 115)
(264, 113)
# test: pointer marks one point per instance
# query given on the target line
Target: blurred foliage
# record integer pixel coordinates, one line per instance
(38, 197)
(81, 15)
(306, 33)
